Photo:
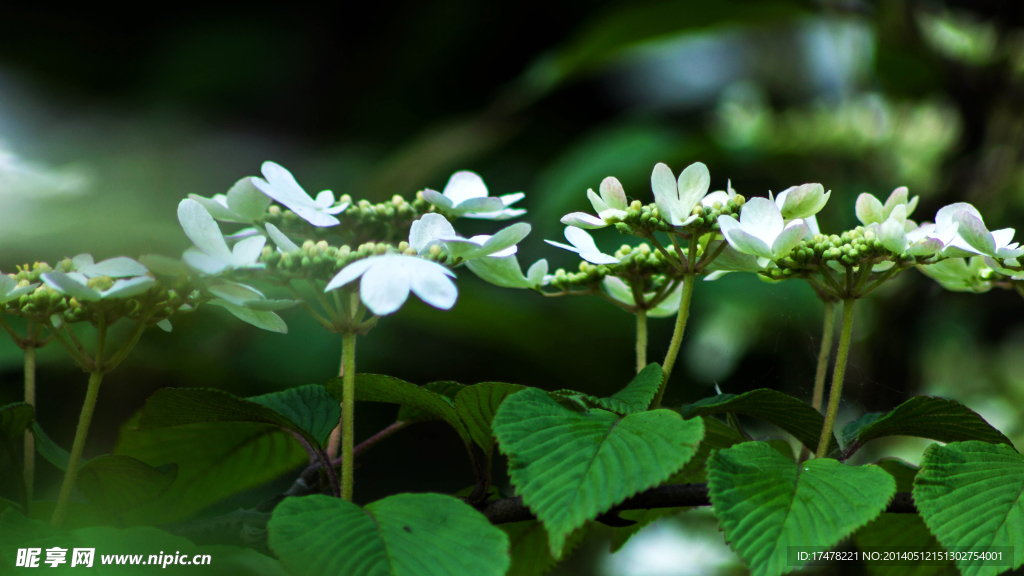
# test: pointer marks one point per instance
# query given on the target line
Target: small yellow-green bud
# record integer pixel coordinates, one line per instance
(409, 251)
(636, 205)
(382, 249)
(274, 210)
(435, 250)
(402, 246)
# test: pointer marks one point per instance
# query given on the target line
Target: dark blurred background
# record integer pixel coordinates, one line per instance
(107, 121)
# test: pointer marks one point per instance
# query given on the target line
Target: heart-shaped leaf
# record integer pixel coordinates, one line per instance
(116, 483)
(569, 467)
(766, 503)
(312, 408)
(972, 494)
(476, 405)
(530, 553)
(796, 417)
(445, 388)
(401, 535)
(635, 397)
(925, 417)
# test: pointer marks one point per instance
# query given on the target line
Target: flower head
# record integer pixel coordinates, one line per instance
(434, 229)
(387, 280)
(211, 255)
(466, 195)
(11, 288)
(85, 289)
(677, 199)
(959, 274)
(583, 244)
(762, 231)
(279, 184)
(243, 203)
(904, 237)
(871, 211)
(973, 237)
(610, 206)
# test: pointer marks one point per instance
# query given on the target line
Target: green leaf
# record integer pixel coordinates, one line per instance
(445, 388)
(379, 388)
(15, 419)
(117, 483)
(717, 435)
(925, 417)
(312, 408)
(215, 460)
(144, 543)
(402, 535)
(972, 494)
(782, 410)
(635, 397)
(50, 450)
(890, 531)
(304, 410)
(529, 545)
(903, 472)
(476, 406)
(765, 502)
(570, 466)
(262, 319)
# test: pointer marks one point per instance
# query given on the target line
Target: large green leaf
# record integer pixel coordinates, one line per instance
(14, 420)
(569, 467)
(796, 417)
(379, 388)
(903, 472)
(115, 483)
(402, 535)
(635, 397)
(531, 555)
(925, 417)
(446, 388)
(309, 411)
(766, 503)
(50, 450)
(132, 551)
(312, 408)
(890, 531)
(215, 460)
(972, 494)
(476, 405)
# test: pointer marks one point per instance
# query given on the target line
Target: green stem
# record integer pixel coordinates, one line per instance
(81, 432)
(677, 337)
(826, 348)
(1019, 288)
(837, 379)
(348, 345)
(641, 339)
(30, 441)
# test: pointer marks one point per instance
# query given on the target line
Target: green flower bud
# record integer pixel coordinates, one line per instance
(740, 200)
(636, 205)
(402, 246)
(409, 251)
(435, 250)
(306, 262)
(382, 249)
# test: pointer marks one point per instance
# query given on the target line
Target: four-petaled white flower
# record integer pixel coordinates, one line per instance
(959, 274)
(387, 280)
(677, 199)
(621, 291)
(279, 184)
(610, 206)
(466, 195)
(505, 271)
(871, 211)
(435, 229)
(119, 267)
(583, 244)
(211, 254)
(243, 203)
(973, 237)
(904, 237)
(85, 289)
(762, 231)
(720, 196)
(9, 289)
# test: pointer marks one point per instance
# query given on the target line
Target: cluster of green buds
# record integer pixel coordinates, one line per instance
(360, 222)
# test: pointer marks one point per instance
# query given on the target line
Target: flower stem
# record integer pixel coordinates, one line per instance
(826, 349)
(641, 339)
(348, 346)
(677, 337)
(81, 432)
(837, 379)
(30, 441)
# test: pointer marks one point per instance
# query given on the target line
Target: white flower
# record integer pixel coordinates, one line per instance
(9, 289)
(279, 184)
(973, 237)
(621, 291)
(584, 245)
(247, 296)
(904, 237)
(243, 203)
(871, 211)
(466, 195)
(120, 267)
(82, 288)
(958, 275)
(762, 231)
(610, 206)
(435, 229)
(284, 244)
(804, 201)
(720, 196)
(211, 255)
(387, 280)
(676, 199)
(731, 260)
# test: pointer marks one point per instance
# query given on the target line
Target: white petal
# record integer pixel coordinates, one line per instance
(324, 199)
(465, 185)
(336, 209)
(120, 267)
(563, 246)
(437, 199)
(1003, 237)
(510, 199)
(243, 234)
(670, 305)
(897, 198)
(429, 230)
(790, 238)
(201, 228)
(66, 284)
(128, 287)
(504, 272)
(203, 262)
(507, 238)
(315, 216)
(163, 265)
(613, 194)
(761, 218)
(236, 293)
(435, 288)
(583, 220)
(892, 236)
(385, 286)
(258, 318)
(743, 242)
(972, 230)
(694, 183)
(538, 270)
(597, 202)
(350, 273)
(282, 186)
(598, 258)
(666, 194)
(944, 217)
(619, 290)
(245, 200)
(580, 239)
(709, 200)
(869, 209)
(215, 208)
(165, 325)
(81, 261)
(247, 251)
(283, 242)
(481, 205)
(7, 284)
